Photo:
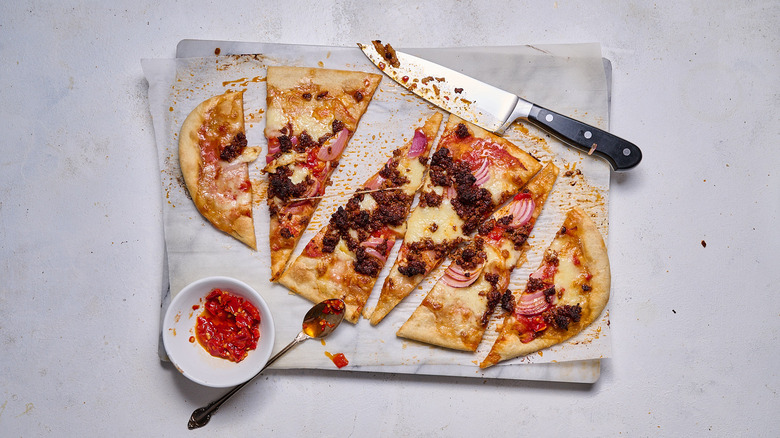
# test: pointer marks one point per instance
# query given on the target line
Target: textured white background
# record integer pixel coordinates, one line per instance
(694, 328)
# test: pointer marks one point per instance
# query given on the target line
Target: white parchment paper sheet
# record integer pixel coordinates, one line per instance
(569, 79)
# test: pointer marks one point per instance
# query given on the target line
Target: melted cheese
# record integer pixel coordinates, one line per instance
(299, 174)
(497, 186)
(285, 159)
(568, 276)
(274, 121)
(449, 224)
(413, 170)
(368, 203)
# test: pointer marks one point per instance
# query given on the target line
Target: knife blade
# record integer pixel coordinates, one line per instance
(493, 108)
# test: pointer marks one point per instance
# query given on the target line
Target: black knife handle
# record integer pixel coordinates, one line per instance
(620, 154)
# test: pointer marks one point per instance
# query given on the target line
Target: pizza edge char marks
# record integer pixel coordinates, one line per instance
(562, 297)
(311, 115)
(471, 174)
(455, 313)
(214, 157)
(344, 259)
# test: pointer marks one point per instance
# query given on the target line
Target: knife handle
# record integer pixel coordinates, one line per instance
(621, 154)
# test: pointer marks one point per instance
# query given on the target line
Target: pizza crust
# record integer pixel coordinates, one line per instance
(596, 261)
(234, 217)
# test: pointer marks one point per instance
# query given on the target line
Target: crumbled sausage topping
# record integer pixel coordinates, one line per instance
(472, 203)
(414, 263)
(390, 172)
(508, 301)
(281, 187)
(337, 126)
(462, 131)
(354, 225)
(551, 257)
(493, 298)
(366, 264)
(561, 316)
(235, 148)
(471, 256)
(430, 199)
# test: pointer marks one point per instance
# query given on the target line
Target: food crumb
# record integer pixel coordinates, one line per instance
(703, 244)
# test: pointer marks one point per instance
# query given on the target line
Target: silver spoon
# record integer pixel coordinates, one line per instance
(319, 322)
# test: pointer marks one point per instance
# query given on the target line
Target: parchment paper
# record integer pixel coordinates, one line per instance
(570, 79)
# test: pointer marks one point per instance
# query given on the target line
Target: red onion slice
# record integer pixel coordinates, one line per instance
(532, 304)
(522, 211)
(329, 152)
(482, 174)
(419, 141)
(374, 241)
(539, 273)
(376, 254)
(272, 150)
(451, 282)
(456, 276)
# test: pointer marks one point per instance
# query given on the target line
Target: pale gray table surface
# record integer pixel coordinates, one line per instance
(693, 234)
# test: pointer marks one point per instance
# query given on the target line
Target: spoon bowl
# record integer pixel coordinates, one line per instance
(319, 322)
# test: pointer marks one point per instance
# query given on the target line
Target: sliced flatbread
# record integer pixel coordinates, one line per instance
(345, 258)
(311, 115)
(213, 157)
(563, 297)
(455, 313)
(472, 173)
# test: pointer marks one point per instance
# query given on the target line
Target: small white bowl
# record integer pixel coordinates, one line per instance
(190, 358)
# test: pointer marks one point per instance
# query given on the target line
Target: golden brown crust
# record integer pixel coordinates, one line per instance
(592, 254)
(213, 184)
(529, 165)
(328, 276)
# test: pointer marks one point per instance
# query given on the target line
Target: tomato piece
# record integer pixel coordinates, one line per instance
(229, 326)
(338, 359)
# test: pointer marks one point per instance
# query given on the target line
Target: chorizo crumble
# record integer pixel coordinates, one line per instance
(235, 148)
(354, 225)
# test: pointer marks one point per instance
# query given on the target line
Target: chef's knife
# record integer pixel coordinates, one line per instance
(492, 108)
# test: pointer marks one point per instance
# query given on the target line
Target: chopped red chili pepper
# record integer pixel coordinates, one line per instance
(229, 326)
(338, 359)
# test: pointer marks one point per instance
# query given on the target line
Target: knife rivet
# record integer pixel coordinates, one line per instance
(588, 134)
(549, 117)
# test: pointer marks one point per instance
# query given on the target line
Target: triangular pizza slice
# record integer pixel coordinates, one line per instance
(214, 157)
(311, 115)
(563, 296)
(455, 313)
(471, 174)
(346, 256)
